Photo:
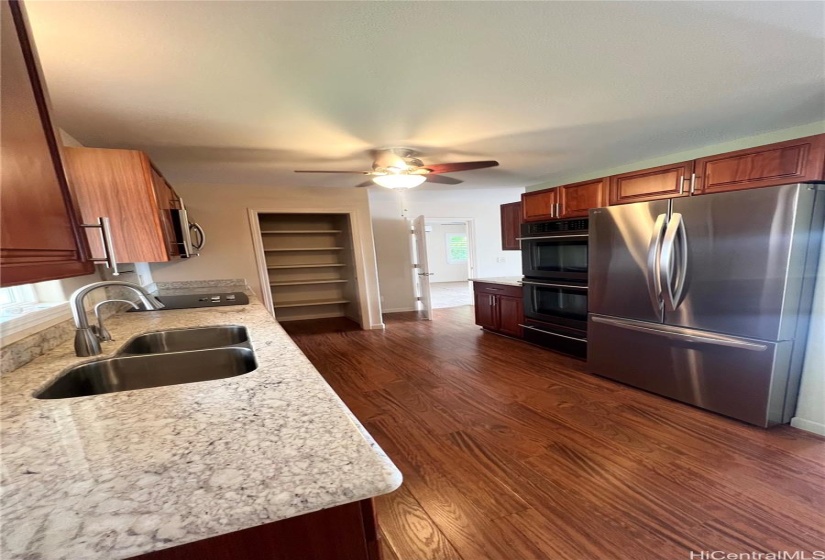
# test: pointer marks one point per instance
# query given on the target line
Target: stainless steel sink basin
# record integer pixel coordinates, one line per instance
(127, 373)
(180, 340)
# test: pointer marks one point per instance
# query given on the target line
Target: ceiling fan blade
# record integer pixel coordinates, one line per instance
(460, 166)
(364, 184)
(358, 172)
(444, 180)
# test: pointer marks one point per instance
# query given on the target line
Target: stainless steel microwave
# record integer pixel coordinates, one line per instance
(184, 230)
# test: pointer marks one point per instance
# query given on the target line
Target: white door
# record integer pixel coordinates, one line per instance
(423, 269)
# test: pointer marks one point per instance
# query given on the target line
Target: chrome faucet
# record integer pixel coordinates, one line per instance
(86, 338)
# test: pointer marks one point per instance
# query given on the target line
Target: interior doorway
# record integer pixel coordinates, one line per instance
(450, 256)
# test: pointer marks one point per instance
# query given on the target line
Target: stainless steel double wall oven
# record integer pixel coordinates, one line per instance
(554, 264)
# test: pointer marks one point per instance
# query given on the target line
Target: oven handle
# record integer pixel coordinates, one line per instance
(553, 285)
(554, 334)
(553, 236)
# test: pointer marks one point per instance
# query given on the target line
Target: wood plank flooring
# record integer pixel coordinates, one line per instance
(512, 452)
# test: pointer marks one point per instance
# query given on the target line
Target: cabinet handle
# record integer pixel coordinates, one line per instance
(692, 183)
(682, 184)
(552, 209)
(109, 259)
(558, 209)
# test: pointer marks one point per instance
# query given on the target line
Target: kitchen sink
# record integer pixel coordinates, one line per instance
(126, 373)
(180, 340)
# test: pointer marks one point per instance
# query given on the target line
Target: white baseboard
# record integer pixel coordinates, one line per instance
(398, 310)
(808, 425)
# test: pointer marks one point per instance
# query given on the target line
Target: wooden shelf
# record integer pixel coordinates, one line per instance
(321, 265)
(299, 231)
(308, 303)
(302, 249)
(306, 282)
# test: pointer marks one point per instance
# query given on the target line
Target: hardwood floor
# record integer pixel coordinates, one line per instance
(513, 452)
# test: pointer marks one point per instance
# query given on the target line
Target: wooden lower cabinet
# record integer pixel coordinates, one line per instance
(346, 532)
(794, 161)
(665, 181)
(499, 308)
(510, 226)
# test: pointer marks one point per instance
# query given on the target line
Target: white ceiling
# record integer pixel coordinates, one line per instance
(245, 92)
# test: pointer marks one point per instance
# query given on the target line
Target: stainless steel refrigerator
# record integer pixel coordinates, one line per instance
(706, 299)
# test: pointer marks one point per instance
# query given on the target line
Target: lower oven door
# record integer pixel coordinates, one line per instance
(559, 304)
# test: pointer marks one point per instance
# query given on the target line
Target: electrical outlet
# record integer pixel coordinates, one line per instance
(501, 259)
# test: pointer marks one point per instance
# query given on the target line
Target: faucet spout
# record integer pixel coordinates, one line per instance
(86, 341)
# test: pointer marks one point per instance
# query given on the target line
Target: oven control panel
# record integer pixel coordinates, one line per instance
(557, 226)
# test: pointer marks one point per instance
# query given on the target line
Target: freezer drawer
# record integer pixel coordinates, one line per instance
(741, 378)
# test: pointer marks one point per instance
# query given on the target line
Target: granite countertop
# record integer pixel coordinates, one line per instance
(117, 475)
(506, 280)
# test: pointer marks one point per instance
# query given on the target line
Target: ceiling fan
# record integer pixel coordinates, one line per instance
(399, 168)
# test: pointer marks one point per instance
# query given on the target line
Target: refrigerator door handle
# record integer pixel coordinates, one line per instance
(683, 334)
(654, 284)
(673, 260)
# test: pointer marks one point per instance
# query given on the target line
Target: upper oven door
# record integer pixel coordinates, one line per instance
(556, 257)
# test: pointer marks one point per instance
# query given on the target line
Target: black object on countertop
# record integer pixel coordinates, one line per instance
(191, 301)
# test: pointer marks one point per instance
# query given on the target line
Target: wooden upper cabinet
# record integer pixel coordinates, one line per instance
(40, 237)
(576, 199)
(539, 205)
(666, 181)
(123, 185)
(510, 226)
(766, 166)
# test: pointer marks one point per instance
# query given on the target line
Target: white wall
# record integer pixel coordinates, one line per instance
(222, 210)
(391, 211)
(810, 409)
(442, 270)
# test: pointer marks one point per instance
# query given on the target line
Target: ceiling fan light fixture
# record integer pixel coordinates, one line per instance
(399, 181)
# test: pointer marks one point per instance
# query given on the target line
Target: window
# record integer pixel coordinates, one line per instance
(457, 249)
(17, 300)
(22, 300)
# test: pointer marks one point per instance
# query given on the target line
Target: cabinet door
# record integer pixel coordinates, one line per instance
(539, 205)
(40, 237)
(167, 200)
(576, 199)
(118, 184)
(485, 311)
(510, 226)
(667, 181)
(510, 315)
(794, 161)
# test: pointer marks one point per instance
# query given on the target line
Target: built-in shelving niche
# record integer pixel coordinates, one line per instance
(310, 265)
